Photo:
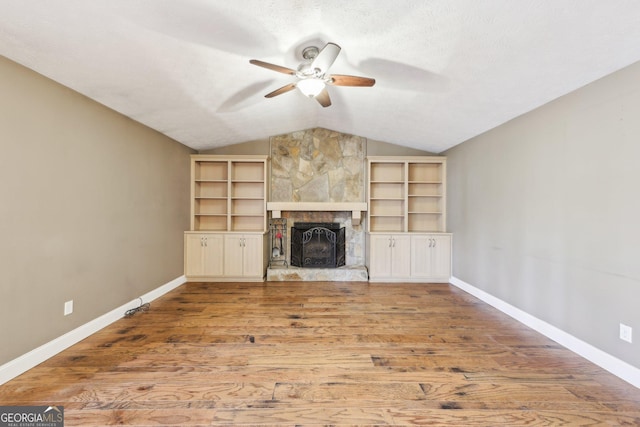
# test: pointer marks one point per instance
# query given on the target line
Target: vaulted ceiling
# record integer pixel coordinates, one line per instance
(445, 70)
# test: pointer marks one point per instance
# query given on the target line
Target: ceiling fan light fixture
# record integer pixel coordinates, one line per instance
(311, 87)
(313, 76)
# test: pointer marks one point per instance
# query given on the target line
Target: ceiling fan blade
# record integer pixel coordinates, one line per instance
(343, 80)
(273, 67)
(283, 89)
(326, 57)
(323, 98)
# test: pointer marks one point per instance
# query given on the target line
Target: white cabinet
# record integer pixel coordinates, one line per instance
(407, 219)
(409, 257)
(227, 238)
(203, 255)
(225, 256)
(431, 257)
(243, 256)
(389, 257)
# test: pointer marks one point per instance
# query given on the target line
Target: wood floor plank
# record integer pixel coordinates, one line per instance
(510, 418)
(304, 416)
(323, 353)
(342, 391)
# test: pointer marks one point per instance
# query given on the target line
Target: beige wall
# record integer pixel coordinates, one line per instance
(380, 148)
(254, 148)
(93, 207)
(545, 212)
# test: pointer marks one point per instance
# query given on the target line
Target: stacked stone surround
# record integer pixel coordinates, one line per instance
(320, 165)
(317, 165)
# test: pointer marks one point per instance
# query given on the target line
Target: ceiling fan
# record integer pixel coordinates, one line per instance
(312, 74)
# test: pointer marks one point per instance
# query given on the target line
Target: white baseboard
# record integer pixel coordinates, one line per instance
(621, 369)
(33, 358)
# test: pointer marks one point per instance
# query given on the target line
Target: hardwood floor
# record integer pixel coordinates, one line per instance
(323, 353)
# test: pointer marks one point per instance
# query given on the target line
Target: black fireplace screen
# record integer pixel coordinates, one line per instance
(317, 245)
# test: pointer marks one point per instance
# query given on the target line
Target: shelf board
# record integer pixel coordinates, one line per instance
(395, 199)
(425, 195)
(210, 214)
(424, 213)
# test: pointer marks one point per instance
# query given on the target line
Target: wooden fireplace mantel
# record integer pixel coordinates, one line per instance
(356, 208)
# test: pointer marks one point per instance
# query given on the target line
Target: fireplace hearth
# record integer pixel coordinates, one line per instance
(317, 245)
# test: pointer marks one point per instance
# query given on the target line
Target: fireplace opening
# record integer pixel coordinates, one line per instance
(317, 245)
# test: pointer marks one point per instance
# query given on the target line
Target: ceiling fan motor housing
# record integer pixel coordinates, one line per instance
(305, 70)
(309, 53)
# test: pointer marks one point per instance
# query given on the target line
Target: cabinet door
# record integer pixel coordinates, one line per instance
(431, 257)
(203, 255)
(390, 256)
(441, 257)
(213, 255)
(401, 256)
(233, 255)
(253, 256)
(380, 255)
(193, 255)
(421, 246)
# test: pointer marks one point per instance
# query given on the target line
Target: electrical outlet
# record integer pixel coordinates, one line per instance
(68, 308)
(626, 333)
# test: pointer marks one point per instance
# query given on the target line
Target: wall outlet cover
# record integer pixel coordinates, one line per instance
(626, 333)
(68, 308)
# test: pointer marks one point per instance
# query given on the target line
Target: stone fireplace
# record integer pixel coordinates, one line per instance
(318, 176)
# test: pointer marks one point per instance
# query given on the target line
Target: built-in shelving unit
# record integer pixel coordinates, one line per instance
(227, 240)
(407, 239)
(407, 194)
(426, 196)
(248, 196)
(228, 193)
(210, 191)
(387, 195)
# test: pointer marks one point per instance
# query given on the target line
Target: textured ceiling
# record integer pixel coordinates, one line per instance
(445, 70)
